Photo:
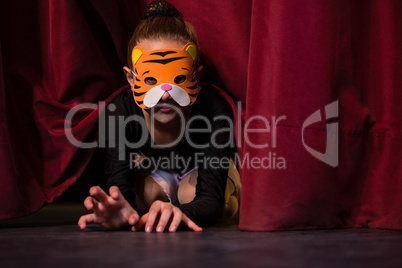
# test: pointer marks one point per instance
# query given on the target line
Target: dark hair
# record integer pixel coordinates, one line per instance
(162, 21)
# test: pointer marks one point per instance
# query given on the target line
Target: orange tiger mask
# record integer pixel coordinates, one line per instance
(158, 71)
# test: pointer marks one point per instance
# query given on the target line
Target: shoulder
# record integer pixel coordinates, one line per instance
(211, 101)
(124, 102)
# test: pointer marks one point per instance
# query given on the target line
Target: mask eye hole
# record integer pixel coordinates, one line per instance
(180, 79)
(150, 81)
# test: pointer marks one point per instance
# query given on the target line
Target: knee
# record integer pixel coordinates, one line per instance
(153, 191)
(186, 192)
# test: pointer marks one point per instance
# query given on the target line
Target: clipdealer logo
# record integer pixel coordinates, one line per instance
(255, 124)
(331, 154)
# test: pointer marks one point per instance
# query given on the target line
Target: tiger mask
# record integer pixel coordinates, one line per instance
(165, 70)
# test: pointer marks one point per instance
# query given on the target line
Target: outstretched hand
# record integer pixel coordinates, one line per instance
(112, 212)
(166, 212)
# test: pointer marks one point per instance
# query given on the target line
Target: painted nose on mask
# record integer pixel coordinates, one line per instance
(166, 87)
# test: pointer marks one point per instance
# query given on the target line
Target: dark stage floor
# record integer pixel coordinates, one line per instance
(51, 238)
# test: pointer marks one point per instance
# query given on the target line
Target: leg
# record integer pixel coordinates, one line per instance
(153, 191)
(232, 193)
(186, 192)
(148, 191)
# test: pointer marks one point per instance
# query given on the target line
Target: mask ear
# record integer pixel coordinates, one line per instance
(191, 49)
(136, 54)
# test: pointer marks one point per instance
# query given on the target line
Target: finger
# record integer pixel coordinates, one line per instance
(190, 224)
(152, 214)
(90, 203)
(84, 220)
(133, 218)
(166, 214)
(99, 194)
(141, 223)
(115, 193)
(177, 217)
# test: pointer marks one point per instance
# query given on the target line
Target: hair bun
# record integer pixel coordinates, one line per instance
(161, 8)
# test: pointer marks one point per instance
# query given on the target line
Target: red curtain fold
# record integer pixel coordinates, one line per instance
(55, 55)
(314, 53)
(284, 60)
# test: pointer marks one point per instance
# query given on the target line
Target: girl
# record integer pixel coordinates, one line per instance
(173, 164)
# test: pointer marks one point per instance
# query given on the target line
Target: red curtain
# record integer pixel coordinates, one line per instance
(284, 60)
